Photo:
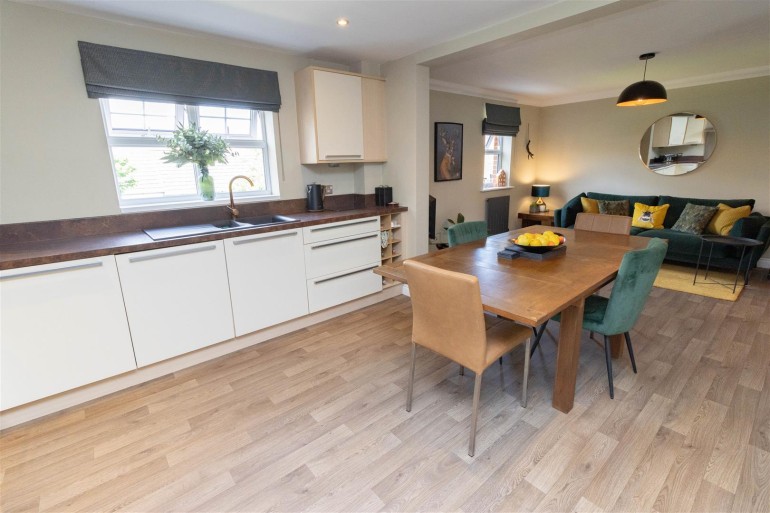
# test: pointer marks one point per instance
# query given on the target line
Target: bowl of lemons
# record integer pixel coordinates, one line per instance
(539, 242)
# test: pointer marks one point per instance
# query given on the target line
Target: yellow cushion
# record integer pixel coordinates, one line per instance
(590, 206)
(646, 216)
(725, 218)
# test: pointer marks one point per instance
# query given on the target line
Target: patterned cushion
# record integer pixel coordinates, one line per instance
(694, 218)
(613, 208)
(590, 205)
(646, 216)
(725, 218)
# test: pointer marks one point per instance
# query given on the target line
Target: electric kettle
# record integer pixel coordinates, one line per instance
(315, 197)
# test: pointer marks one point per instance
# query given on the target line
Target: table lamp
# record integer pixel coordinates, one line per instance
(540, 192)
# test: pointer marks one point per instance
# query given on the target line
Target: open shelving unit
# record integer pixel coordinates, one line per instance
(390, 246)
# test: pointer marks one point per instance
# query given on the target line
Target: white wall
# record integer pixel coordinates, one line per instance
(408, 105)
(55, 162)
(465, 195)
(594, 146)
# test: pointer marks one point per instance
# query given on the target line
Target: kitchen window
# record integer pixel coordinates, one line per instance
(497, 157)
(144, 181)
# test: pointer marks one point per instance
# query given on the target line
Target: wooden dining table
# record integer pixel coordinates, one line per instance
(532, 291)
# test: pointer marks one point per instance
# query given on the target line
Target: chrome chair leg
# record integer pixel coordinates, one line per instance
(410, 388)
(609, 365)
(475, 416)
(527, 349)
(630, 351)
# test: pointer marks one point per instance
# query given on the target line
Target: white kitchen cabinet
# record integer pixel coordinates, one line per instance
(267, 279)
(341, 116)
(177, 299)
(63, 326)
(339, 258)
(678, 131)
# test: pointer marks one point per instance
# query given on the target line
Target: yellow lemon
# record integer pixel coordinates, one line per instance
(535, 243)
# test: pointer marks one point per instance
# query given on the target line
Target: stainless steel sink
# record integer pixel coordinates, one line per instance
(173, 232)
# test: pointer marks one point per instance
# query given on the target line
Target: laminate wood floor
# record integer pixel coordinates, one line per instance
(315, 421)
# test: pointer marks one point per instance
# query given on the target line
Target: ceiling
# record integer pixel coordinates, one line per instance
(538, 52)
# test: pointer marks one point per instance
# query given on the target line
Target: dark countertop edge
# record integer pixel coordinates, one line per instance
(25, 254)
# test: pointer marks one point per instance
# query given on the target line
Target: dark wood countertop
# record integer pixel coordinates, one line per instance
(36, 252)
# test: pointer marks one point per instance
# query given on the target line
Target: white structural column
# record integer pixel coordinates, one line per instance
(408, 167)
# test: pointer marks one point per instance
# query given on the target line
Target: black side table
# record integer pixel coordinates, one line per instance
(738, 242)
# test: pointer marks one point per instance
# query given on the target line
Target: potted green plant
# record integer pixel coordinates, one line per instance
(197, 146)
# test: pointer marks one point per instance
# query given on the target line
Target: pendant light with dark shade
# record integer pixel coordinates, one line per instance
(645, 92)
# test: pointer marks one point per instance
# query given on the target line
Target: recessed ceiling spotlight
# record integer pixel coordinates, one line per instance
(343, 22)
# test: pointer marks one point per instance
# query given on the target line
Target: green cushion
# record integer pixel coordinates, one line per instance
(647, 200)
(635, 230)
(694, 218)
(677, 205)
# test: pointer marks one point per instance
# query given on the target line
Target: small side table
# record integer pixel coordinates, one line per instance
(544, 218)
(738, 242)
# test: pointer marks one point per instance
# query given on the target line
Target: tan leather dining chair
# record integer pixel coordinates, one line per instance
(448, 318)
(603, 223)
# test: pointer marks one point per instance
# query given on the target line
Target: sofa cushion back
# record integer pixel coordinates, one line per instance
(676, 206)
(647, 200)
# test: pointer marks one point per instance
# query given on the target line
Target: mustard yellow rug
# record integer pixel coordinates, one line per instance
(719, 284)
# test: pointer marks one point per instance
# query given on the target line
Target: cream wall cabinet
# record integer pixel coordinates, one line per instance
(341, 116)
(63, 326)
(339, 258)
(177, 299)
(267, 282)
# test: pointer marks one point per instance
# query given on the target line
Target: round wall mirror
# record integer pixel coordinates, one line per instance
(678, 144)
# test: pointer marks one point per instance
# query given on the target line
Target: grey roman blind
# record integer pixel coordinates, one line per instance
(501, 120)
(112, 72)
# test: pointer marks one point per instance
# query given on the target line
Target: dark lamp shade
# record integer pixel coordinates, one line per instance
(645, 92)
(541, 191)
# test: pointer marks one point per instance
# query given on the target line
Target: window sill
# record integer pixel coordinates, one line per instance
(178, 205)
(490, 189)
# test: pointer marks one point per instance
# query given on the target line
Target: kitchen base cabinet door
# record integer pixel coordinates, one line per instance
(267, 279)
(177, 299)
(63, 326)
(342, 287)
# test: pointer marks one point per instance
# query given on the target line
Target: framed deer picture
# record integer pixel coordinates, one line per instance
(448, 163)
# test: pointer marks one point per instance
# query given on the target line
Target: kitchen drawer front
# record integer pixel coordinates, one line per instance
(330, 231)
(322, 258)
(342, 287)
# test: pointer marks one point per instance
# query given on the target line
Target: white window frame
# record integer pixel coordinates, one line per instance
(505, 153)
(185, 114)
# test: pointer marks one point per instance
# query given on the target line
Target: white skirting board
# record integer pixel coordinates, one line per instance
(79, 396)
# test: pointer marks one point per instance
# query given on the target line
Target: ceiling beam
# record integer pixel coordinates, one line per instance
(553, 17)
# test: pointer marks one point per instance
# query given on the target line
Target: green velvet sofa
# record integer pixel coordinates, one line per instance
(682, 247)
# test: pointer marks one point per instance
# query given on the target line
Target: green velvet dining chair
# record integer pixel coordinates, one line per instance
(469, 231)
(618, 313)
